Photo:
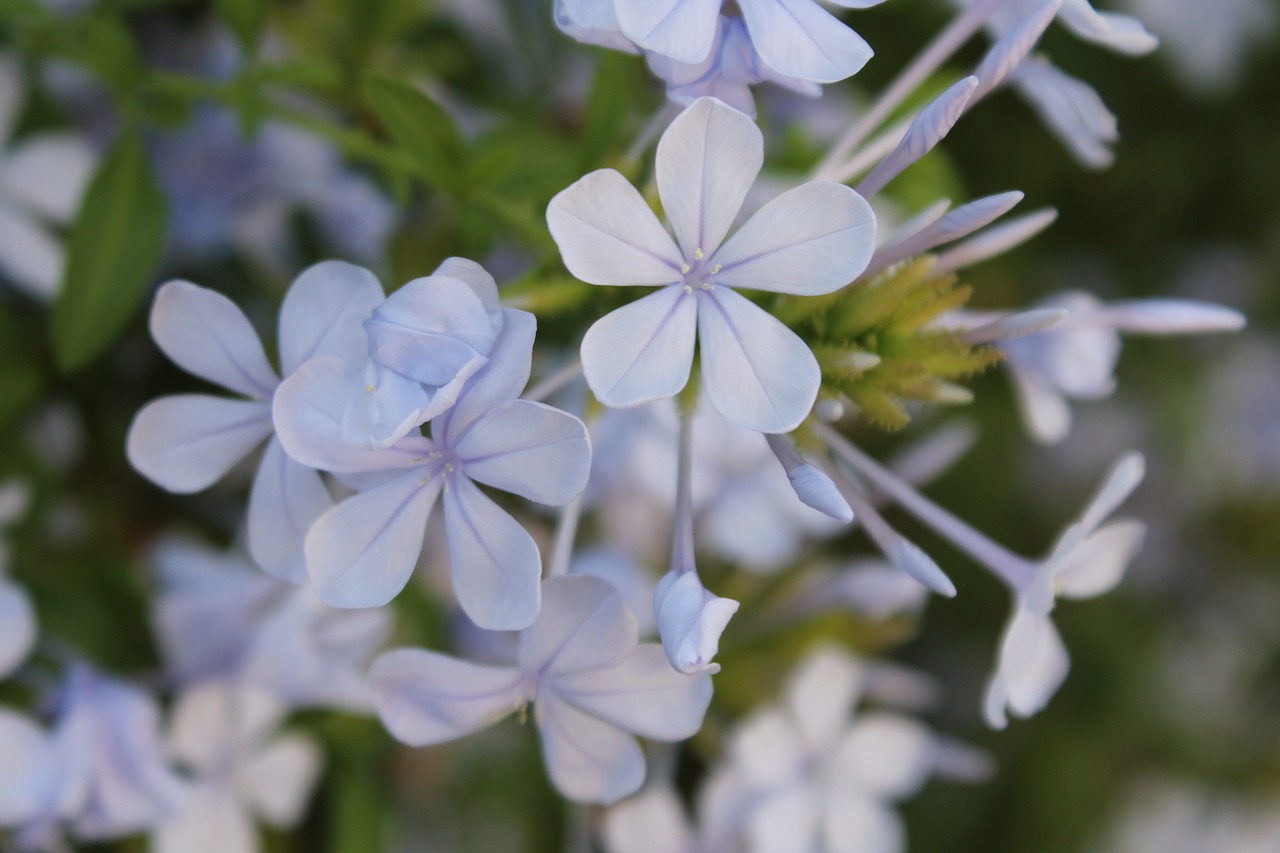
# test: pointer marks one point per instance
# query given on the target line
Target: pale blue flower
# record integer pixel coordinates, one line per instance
(362, 552)
(17, 616)
(813, 239)
(592, 683)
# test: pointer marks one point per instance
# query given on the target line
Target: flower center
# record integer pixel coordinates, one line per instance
(698, 273)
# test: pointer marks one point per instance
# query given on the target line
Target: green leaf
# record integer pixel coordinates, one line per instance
(244, 18)
(607, 107)
(114, 249)
(420, 127)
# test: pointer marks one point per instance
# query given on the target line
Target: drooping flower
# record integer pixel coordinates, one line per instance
(362, 552)
(186, 442)
(592, 684)
(813, 239)
(243, 770)
(1088, 560)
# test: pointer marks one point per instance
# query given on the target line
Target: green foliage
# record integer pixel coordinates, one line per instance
(877, 346)
(114, 249)
(244, 18)
(421, 128)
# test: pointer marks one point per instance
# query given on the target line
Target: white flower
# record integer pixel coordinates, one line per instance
(593, 687)
(813, 239)
(17, 617)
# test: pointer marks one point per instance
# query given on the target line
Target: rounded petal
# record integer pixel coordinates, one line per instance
(1045, 413)
(798, 38)
(810, 240)
(756, 372)
(859, 824)
(1097, 564)
(48, 173)
(531, 449)
(30, 257)
(210, 821)
(323, 313)
(707, 161)
(607, 234)
(822, 693)
(584, 624)
(885, 754)
(652, 821)
(425, 698)
(493, 560)
(690, 621)
(285, 501)
(680, 29)
(27, 762)
(17, 627)
(1032, 666)
(588, 760)
(187, 442)
(642, 695)
(503, 378)
(479, 280)
(205, 334)
(362, 552)
(277, 779)
(642, 351)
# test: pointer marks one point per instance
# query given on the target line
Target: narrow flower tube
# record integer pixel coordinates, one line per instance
(813, 487)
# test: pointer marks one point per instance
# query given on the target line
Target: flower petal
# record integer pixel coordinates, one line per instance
(17, 626)
(47, 173)
(1045, 413)
(205, 334)
(1032, 665)
(278, 779)
(607, 234)
(185, 443)
(1121, 480)
(798, 38)
(528, 448)
(860, 824)
(588, 760)
(30, 257)
(493, 560)
(430, 329)
(425, 698)
(707, 160)
(680, 29)
(285, 501)
(1122, 33)
(1097, 564)
(26, 765)
(479, 280)
(584, 624)
(756, 372)
(642, 695)
(690, 621)
(885, 754)
(323, 313)
(652, 821)
(362, 552)
(821, 695)
(642, 351)
(813, 239)
(211, 820)
(503, 378)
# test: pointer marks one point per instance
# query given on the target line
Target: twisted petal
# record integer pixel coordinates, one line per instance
(426, 698)
(1072, 109)
(493, 560)
(185, 443)
(642, 351)
(707, 160)
(584, 624)
(528, 448)
(362, 552)
(681, 29)
(430, 329)
(285, 501)
(503, 378)
(17, 626)
(813, 239)
(323, 313)
(588, 760)
(205, 334)
(690, 620)
(798, 38)
(642, 695)
(756, 372)
(608, 235)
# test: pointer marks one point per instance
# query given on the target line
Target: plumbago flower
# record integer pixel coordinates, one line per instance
(242, 769)
(17, 617)
(1076, 358)
(1089, 560)
(810, 240)
(101, 771)
(362, 551)
(590, 680)
(186, 442)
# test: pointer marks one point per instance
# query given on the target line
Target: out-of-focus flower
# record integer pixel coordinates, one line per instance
(1207, 42)
(592, 684)
(1181, 817)
(17, 617)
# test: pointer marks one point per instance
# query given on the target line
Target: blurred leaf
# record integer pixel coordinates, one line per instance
(607, 107)
(115, 246)
(244, 18)
(421, 127)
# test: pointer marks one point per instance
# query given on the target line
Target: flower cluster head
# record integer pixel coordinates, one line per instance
(810, 240)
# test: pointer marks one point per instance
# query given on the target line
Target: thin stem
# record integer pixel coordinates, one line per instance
(649, 132)
(553, 383)
(938, 51)
(1014, 570)
(682, 536)
(566, 531)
